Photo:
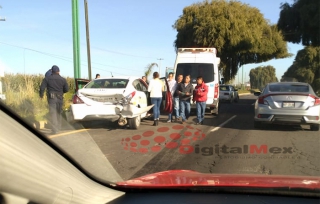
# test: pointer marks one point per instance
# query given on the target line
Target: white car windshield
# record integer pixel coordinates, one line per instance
(107, 83)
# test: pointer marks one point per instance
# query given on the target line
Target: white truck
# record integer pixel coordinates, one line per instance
(201, 62)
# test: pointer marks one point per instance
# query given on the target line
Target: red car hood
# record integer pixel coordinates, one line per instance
(187, 178)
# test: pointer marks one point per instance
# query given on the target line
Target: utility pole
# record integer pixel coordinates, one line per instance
(2, 96)
(88, 39)
(242, 78)
(76, 38)
(160, 66)
(238, 78)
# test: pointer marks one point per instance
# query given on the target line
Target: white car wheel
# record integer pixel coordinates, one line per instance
(134, 123)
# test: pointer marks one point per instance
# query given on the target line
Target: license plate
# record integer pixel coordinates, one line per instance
(288, 104)
(102, 99)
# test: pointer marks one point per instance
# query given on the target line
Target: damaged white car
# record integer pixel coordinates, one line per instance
(122, 99)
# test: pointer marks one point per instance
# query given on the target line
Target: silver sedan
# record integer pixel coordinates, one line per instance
(292, 103)
(228, 93)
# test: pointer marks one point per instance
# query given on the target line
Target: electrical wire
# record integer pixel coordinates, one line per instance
(68, 59)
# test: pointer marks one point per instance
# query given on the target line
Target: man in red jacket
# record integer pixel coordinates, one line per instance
(200, 96)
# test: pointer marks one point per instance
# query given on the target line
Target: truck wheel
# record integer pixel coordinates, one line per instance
(134, 123)
(314, 127)
(216, 111)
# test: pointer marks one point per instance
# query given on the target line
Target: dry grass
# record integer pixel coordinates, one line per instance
(22, 95)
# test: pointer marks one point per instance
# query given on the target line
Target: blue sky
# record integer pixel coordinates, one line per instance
(125, 36)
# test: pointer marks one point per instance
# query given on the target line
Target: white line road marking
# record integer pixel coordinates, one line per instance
(222, 124)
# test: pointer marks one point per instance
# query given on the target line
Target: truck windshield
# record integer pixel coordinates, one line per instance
(195, 70)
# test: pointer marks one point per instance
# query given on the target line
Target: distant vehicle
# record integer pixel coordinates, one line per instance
(287, 103)
(122, 99)
(201, 62)
(228, 93)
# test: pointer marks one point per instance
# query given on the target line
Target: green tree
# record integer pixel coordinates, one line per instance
(299, 22)
(149, 69)
(260, 76)
(239, 32)
(306, 67)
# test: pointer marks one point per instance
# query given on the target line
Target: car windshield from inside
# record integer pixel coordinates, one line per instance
(195, 70)
(108, 83)
(119, 102)
(288, 88)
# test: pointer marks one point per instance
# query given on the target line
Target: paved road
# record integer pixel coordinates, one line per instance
(227, 143)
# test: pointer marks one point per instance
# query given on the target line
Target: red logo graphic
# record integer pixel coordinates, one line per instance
(178, 137)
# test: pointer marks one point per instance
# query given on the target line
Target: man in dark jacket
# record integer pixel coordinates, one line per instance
(56, 86)
(185, 91)
(200, 97)
(176, 98)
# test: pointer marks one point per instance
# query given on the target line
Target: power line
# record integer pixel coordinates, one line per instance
(68, 59)
(94, 47)
(120, 53)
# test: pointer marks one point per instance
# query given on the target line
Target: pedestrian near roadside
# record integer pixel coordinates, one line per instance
(56, 86)
(172, 87)
(200, 97)
(155, 88)
(185, 91)
(176, 98)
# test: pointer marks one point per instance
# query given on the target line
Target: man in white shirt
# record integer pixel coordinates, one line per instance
(172, 87)
(155, 88)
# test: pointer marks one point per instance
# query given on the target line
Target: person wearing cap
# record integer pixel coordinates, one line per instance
(56, 86)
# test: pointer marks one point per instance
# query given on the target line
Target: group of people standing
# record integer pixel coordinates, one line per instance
(181, 90)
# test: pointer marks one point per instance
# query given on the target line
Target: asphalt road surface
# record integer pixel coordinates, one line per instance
(226, 144)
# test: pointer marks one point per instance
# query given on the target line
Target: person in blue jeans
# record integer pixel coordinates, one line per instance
(200, 97)
(185, 91)
(155, 88)
(176, 98)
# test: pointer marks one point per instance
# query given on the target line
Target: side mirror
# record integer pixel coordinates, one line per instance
(257, 93)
